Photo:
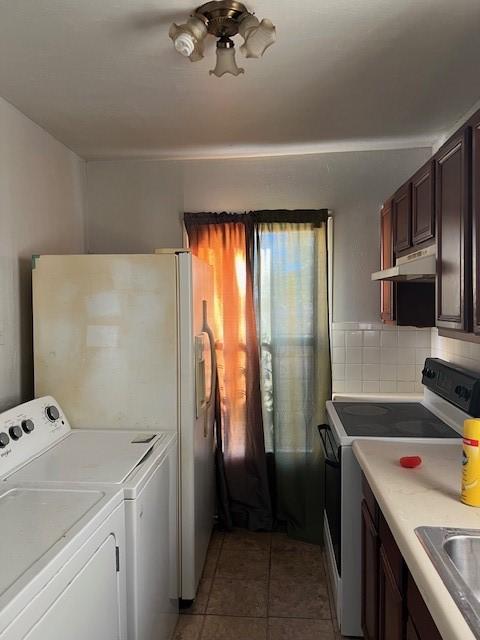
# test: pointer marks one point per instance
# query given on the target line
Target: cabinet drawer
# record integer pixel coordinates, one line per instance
(392, 552)
(420, 615)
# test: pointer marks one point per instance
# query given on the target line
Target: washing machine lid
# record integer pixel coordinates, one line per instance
(38, 523)
(92, 456)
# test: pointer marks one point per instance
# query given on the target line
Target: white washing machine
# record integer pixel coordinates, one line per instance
(143, 465)
(62, 563)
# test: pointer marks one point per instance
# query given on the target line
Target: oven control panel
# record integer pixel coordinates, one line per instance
(457, 385)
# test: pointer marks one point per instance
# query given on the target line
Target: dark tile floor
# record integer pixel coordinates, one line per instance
(260, 586)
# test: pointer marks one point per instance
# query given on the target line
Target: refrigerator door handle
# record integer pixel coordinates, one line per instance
(213, 367)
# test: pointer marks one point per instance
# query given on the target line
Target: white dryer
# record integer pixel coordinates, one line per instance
(62, 563)
(143, 465)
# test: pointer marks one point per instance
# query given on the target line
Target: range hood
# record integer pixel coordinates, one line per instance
(420, 266)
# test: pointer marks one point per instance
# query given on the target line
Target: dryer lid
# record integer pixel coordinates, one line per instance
(90, 456)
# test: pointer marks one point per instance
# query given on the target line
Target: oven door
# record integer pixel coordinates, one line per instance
(332, 488)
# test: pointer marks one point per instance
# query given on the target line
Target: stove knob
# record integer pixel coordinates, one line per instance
(15, 432)
(4, 440)
(458, 390)
(28, 426)
(52, 413)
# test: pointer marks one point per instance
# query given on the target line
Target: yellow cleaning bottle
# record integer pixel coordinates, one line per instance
(471, 463)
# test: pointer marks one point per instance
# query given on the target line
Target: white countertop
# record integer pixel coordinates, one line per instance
(428, 496)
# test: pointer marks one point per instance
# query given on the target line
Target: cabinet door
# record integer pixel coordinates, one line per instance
(423, 212)
(402, 219)
(453, 221)
(386, 259)
(420, 620)
(390, 607)
(476, 222)
(369, 575)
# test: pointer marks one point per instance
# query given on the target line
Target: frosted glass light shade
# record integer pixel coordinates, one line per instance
(188, 38)
(226, 63)
(258, 36)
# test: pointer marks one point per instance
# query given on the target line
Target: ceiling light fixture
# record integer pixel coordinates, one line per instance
(223, 19)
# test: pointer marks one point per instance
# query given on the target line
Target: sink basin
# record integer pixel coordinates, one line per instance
(455, 553)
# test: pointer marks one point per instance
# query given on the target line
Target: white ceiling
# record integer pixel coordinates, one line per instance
(102, 75)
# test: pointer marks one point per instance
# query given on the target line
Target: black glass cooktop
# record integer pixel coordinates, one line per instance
(391, 420)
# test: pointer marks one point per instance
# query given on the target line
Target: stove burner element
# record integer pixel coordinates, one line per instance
(365, 409)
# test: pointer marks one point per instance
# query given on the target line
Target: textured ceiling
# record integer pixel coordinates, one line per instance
(103, 78)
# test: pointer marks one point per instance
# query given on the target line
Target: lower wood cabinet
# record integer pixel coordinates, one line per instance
(390, 601)
(370, 584)
(392, 606)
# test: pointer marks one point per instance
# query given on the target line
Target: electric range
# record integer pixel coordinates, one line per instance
(451, 394)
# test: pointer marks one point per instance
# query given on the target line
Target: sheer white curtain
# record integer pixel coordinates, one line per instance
(292, 314)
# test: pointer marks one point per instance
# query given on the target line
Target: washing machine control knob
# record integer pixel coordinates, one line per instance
(4, 439)
(28, 426)
(15, 432)
(52, 413)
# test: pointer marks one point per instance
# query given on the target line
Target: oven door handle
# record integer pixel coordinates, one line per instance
(329, 460)
(323, 428)
(332, 463)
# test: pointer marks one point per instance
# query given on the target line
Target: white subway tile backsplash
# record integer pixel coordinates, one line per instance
(407, 338)
(388, 386)
(371, 372)
(370, 386)
(388, 372)
(338, 338)
(375, 358)
(388, 339)
(423, 338)
(371, 355)
(353, 371)
(353, 355)
(420, 355)
(405, 386)
(338, 371)
(406, 372)
(354, 338)
(406, 355)
(371, 338)
(353, 386)
(389, 355)
(338, 386)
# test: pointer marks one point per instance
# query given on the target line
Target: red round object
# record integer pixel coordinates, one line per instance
(410, 462)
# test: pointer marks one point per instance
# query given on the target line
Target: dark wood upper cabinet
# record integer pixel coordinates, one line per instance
(423, 210)
(402, 219)
(476, 220)
(387, 312)
(453, 225)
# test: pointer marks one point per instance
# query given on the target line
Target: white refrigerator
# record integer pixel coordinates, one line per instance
(124, 342)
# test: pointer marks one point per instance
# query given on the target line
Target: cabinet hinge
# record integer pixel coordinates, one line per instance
(117, 557)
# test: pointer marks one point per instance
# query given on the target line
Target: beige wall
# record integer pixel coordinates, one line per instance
(137, 206)
(134, 206)
(41, 211)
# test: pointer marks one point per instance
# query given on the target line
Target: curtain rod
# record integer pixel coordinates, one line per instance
(313, 216)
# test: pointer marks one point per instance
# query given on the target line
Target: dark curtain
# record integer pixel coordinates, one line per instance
(242, 478)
